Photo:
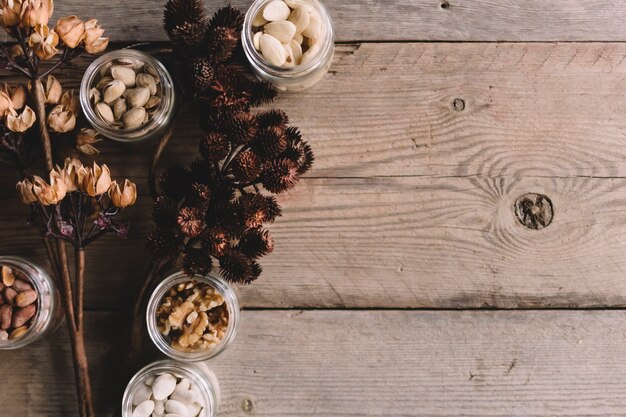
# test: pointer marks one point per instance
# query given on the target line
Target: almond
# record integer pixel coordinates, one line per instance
(17, 333)
(258, 20)
(314, 28)
(8, 278)
(283, 31)
(273, 50)
(21, 316)
(20, 285)
(290, 61)
(276, 11)
(9, 295)
(25, 298)
(6, 313)
(296, 49)
(300, 18)
(256, 40)
(310, 54)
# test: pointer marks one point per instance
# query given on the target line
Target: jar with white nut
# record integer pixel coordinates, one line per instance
(173, 389)
(29, 303)
(289, 43)
(192, 319)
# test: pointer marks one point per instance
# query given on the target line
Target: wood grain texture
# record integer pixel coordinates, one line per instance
(410, 203)
(367, 20)
(369, 363)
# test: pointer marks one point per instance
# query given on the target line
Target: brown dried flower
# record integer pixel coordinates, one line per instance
(190, 221)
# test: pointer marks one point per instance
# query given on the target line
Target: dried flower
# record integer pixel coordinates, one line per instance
(58, 184)
(36, 12)
(6, 104)
(61, 119)
(202, 73)
(53, 90)
(163, 243)
(85, 139)
(72, 174)
(279, 176)
(18, 97)
(71, 30)
(255, 243)
(94, 42)
(44, 42)
(10, 13)
(270, 142)
(241, 128)
(49, 194)
(97, 180)
(190, 221)
(123, 196)
(165, 212)
(20, 122)
(216, 241)
(25, 191)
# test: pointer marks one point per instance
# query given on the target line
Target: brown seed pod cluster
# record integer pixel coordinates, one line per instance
(193, 317)
(216, 208)
(17, 303)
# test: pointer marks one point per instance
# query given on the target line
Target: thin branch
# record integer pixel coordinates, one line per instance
(33, 67)
(79, 259)
(62, 60)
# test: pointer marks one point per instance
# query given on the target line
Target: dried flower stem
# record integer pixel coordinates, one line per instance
(74, 316)
(79, 259)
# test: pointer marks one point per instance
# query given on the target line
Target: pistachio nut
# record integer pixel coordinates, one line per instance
(113, 91)
(103, 82)
(153, 102)
(134, 117)
(146, 80)
(124, 74)
(119, 108)
(104, 112)
(138, 97)
(94, 95)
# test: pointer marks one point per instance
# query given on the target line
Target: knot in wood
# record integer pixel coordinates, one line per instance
(458, 104)
(247, 405)
(534, 211)
(445, 4)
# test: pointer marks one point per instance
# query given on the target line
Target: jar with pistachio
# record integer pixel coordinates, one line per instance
(192, 319)
(128, 96)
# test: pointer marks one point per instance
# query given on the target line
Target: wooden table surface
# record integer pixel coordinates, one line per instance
(402, 283)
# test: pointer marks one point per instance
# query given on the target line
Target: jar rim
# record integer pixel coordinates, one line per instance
(39, 279)
(206, 383)
(142, 132)
(299, 70)
(232, 304)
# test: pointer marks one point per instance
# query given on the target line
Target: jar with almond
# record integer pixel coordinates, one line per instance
(289, 43)
(29, 303)
(192, 319)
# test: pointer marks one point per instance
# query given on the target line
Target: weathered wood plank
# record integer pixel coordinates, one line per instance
(448, 20)
(548, 110)
(369, 363)
(405, 242)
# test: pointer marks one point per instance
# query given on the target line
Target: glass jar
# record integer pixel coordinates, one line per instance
(228, 292)
(158, 122)
(199, 375)
(48, 316)
(299, 77)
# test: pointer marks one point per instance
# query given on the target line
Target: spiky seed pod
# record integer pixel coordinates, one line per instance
(253, 206)
(279, 175)
(241, 128)
(270, 142)
(175, 182)
(163, 243)
(189, 35)
(164, 212)
(298, 151)
(273, 118)
(190, 221)
(199, 196)
(271, 208)
(255, 271)
(197, 262)
(262, 93)
(179, 12)
(246, 166)
(202, 73)
(221, 43)
(215, 241)
(228, 17)
(236, 267)
(255, 243)
(214, 147)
